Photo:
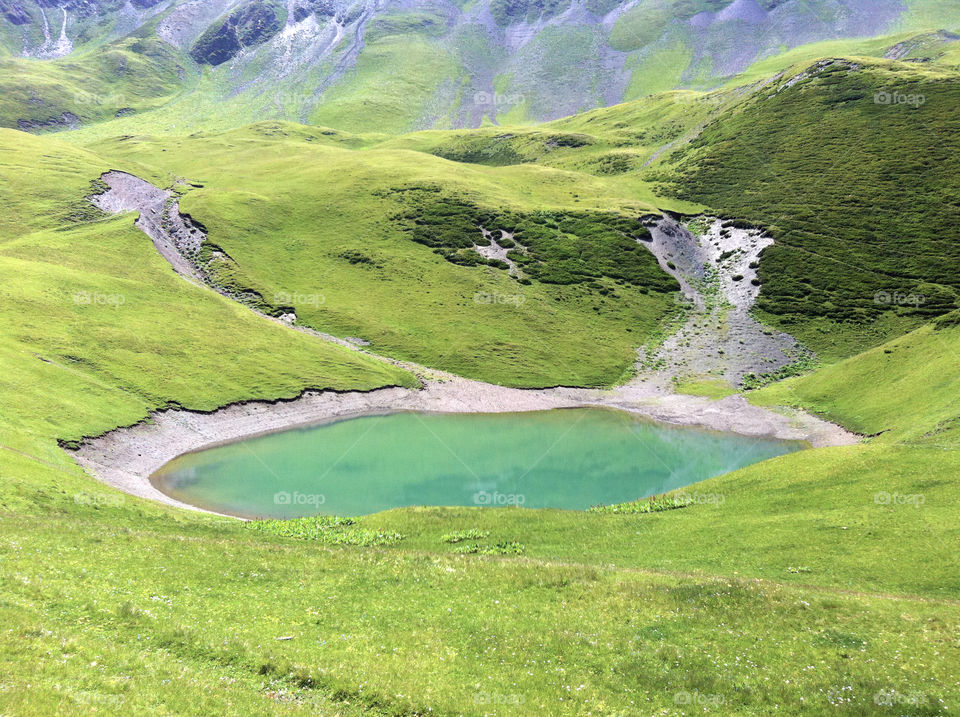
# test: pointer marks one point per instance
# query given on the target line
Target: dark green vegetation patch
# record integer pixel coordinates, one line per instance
(505, 148)
(854, 173)
(251, 24)
(550, 247)
(507, 12)
(326, 529)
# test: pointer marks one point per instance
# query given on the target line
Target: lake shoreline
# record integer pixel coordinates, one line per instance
(126, 458)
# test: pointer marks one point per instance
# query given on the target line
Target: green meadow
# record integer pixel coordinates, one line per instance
(822, 582)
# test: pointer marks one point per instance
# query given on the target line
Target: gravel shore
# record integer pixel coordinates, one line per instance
(126, 457)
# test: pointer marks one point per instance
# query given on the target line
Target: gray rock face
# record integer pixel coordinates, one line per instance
(532, 59)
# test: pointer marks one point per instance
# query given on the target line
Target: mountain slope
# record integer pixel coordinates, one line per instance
(851, 166)
(573, 296)
(401, 66)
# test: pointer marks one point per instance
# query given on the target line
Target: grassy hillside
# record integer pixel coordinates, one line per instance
(129, 76)
(298, 217)
(850, 165)
(866, 392)
(96, 320)
(409, 631)
(611, 141)
(823, 582)
(392, 87)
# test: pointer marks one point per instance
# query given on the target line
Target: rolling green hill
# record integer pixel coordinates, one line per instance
(850, 165)
(822, 582)
(297, 216)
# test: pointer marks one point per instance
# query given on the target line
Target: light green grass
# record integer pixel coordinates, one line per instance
(708, 387)
(657, 69)
(390, 89)
(932, 14)
(374, 631)
(908, 390)
(286, 236)
(135, 74)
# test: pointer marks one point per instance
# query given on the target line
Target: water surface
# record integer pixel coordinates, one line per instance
(572, 458)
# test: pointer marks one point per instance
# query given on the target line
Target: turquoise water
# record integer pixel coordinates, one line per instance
(546, 459)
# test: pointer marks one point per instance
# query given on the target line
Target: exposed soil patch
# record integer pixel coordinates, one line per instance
(176, 237)
(716, 268)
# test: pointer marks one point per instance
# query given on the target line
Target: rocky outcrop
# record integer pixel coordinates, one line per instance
(249, 25)
(14, 12)
(66, 120)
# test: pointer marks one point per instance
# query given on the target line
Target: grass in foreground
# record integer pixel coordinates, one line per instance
(822, 582)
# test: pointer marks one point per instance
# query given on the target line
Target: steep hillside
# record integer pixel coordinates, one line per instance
(396, 67)
(851, 165)
(848, 164)
(526, 276)
(122, 78)
(866, 391)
